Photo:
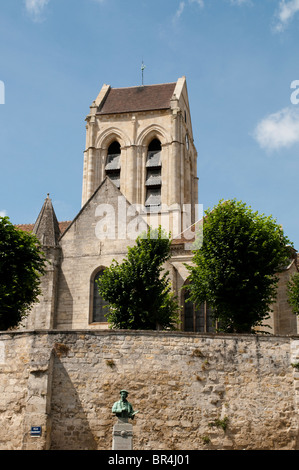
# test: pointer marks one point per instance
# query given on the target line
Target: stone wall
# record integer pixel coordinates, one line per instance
(194, 391)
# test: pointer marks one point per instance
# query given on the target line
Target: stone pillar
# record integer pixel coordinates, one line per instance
(49, 288)
(129, 180)
(122, 435)
(90, 173)
(38, 403)
(175, 170)
(84, 184)
(89, 164)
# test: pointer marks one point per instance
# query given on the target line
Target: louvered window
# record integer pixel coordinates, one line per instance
(153, 197)
(113, 163)
(153, 180)
(153, 177)
(153, 159)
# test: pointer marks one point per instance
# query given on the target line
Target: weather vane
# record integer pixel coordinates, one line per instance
(142, 70)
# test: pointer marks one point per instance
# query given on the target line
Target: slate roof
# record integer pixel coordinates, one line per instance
(46, 227)
(140, 98)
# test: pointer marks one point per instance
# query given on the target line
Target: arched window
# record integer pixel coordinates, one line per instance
(113, 163)
(153, 174)
(196, 319)
(98, 303)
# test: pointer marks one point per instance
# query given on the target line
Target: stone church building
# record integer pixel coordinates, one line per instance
(140, 170)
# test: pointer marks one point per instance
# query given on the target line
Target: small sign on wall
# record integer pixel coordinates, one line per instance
(36, 431)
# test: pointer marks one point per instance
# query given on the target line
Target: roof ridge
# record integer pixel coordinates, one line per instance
(142, 86)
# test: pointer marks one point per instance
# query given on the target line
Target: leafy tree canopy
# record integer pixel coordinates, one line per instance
(235, 269)
(21, 265)
(138, 292)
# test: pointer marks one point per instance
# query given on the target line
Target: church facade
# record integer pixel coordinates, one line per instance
(139, 171)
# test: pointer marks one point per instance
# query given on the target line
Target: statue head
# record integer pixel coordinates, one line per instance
(124, 394)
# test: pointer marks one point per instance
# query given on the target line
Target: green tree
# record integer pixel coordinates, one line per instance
(293, 293)
(138, 292)
(235, 269)
(21, 265)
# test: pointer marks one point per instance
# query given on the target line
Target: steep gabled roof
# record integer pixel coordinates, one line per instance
(139, 98)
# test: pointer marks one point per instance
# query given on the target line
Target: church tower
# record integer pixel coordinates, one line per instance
(141, 138)
(139, 160)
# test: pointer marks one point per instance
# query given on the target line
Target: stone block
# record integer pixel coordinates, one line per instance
(122, 436)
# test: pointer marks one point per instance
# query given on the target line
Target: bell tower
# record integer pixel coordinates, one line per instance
(141, 138)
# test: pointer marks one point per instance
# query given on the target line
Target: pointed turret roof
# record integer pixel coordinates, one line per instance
(46, 227)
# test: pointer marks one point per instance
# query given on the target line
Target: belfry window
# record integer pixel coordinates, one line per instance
(153, 174)
(113, 163)
(98, 303)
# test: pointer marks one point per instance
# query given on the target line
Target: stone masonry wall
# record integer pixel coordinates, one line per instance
(194, 391)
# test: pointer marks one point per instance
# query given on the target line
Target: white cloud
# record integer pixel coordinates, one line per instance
(279, 130)
(3, 213)
(35, 8)
(286, 12)
(179, 11)
(239, 2)
(199, 2)
(182, 6)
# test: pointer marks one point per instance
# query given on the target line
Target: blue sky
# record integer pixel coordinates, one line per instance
(240, 58)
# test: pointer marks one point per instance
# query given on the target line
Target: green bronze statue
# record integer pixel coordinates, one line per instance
(122, 408)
